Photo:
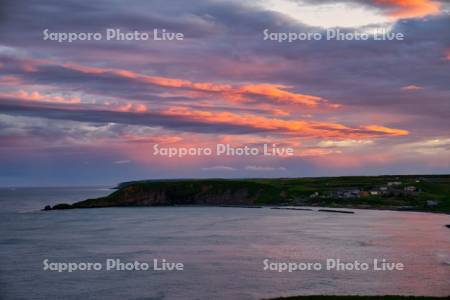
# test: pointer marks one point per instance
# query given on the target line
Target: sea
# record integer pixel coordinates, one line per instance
(225, 251)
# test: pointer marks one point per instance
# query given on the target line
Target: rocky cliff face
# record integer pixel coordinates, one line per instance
(198, 192)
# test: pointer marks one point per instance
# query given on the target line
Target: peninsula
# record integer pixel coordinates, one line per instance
(396, 192)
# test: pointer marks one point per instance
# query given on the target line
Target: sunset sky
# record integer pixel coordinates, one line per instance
(89, 112)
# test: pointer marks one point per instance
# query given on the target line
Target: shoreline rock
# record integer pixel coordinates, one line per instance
(337, 211)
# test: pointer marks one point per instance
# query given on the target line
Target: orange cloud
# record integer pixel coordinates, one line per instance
(258, 129)
(279, 112)
(294, 128)
(386, 130)
(11, 80)
(275, 92)
(36, 96)
(316, 152)
(410, 8)
(297, 128)
(278, 93)
(412, 88)
(132, 107)
(167, 139)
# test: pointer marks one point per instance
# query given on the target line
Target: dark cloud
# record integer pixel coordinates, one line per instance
(64, 112)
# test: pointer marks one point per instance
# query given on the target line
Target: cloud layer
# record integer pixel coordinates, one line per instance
(346, 107)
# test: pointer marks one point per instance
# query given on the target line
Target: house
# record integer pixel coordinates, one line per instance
(314, 195)
(347, 194)
(383, 189)
(374, 193)
(355, 193)
(410, 189)
(432, 203)
(364, 194)
(394, 183)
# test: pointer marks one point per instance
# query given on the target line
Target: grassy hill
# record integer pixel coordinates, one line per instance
(412, 192)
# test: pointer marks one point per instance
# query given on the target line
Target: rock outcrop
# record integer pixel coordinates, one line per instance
(187, 192)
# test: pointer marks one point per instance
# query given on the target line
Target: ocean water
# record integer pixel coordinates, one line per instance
(222, 249)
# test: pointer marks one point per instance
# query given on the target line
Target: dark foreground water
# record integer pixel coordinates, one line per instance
(222, 250)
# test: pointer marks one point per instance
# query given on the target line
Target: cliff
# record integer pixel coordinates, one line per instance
(184, 192)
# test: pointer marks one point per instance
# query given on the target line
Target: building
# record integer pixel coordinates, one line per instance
(314, 195)
(432, 203)
(410, 189)
(354, 193)
(364, 194)
(383, 189)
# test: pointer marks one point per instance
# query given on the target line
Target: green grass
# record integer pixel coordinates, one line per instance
(296, 191)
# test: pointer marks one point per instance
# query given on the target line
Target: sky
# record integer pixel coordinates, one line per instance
(91, 112)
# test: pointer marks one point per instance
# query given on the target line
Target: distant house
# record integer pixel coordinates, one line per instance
(383, 188)
(394, 183)
(374, 193)
(355, 193)
(364, 194)
(432, 203)
(314, 195)
(410, 189)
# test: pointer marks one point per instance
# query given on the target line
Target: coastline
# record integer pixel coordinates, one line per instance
(398, 193)
(354, 297)
(287, 207)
